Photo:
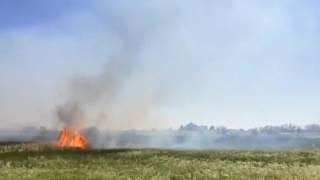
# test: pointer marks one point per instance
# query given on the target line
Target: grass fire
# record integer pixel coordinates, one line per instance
(71, 138)
(159, 90)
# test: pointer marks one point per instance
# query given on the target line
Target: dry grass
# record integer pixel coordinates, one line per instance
(47, 162)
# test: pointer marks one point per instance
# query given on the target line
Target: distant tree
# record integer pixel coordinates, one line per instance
(92, 133)
(221, 130)
(43, 131)
(193, 127)
(288, 128)
(181, 128)
(30, 129)
(312, 128)
(212, 128)
(253, 131)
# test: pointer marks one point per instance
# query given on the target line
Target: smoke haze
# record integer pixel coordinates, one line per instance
(159, 64)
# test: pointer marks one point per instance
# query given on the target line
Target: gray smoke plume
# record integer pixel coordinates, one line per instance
(136, 79)
(192, 45)
(157, 64)
(70, 115)
(120, 93)
(87, 90)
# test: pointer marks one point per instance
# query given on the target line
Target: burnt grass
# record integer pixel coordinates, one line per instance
(17, 161)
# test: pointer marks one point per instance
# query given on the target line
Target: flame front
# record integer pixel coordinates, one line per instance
(71, 138)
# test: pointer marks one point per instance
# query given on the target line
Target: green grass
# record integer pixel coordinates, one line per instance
(18, 162)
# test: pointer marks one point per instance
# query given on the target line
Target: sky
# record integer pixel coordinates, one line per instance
(239, 64)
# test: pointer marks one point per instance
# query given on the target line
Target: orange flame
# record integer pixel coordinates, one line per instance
(71, 138)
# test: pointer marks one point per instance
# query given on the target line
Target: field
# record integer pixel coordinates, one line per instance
(28, 162)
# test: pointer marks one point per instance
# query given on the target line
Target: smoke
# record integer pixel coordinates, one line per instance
(159, 64)
(119, 96)
(86, 91)
(157, 54)
(70, 115)
(128, 92)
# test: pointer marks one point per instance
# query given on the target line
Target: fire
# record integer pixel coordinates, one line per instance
(71, 138)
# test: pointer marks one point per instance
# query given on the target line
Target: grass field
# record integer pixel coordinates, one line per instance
(23, 162)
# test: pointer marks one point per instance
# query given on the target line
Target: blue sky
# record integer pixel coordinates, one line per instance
(238, 64)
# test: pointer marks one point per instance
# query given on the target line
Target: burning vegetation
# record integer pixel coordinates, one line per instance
(70, 115)
(71, 138)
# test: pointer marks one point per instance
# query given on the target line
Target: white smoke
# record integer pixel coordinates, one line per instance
(161, 63)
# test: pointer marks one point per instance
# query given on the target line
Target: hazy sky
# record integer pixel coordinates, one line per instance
(234, 63)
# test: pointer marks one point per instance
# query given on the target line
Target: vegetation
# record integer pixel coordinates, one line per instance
(45, 162)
